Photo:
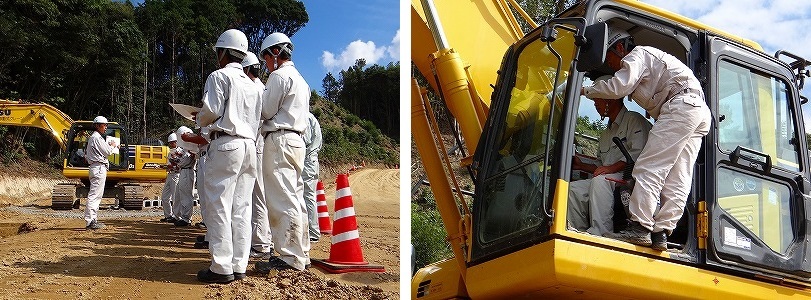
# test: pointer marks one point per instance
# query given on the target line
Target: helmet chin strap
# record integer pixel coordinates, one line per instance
(604, 113)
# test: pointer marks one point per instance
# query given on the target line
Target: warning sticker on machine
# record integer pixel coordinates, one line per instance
(731, 238)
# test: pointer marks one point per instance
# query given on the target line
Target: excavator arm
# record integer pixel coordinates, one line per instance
(40, 115)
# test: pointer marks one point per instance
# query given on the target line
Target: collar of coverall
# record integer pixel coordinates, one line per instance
(234, 65)
(620, 116)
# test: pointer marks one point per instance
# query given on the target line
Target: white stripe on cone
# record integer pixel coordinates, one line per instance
(319, 192)
(322, 203)
(346, 236)
(343, 213)
(323, 215)
(343, 193)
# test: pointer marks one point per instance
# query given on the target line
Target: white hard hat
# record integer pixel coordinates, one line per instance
(233, 39)
(182, 130)
(100, 120)
(184, 144)
(173, 137)
(250, 60)
(274, 39)
(614, 35)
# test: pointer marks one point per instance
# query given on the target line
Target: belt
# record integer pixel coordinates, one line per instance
(685, 91)
(217, 134)
(283, 130)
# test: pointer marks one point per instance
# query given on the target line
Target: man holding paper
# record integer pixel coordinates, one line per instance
(96, 153)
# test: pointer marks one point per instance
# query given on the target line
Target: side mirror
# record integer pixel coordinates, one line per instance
(592, 54)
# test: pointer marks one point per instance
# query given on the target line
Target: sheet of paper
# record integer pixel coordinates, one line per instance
(185, 110)
(116, 141)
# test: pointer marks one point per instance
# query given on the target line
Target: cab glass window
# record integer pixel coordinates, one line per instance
(753, 112)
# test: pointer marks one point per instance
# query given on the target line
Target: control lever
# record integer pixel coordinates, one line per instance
(629, 161)
(622, 192)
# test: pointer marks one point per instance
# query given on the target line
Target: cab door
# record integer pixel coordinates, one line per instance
(756, 164)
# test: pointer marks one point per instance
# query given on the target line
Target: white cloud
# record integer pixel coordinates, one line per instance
(394, 49)
(360, 49)
(774, 24)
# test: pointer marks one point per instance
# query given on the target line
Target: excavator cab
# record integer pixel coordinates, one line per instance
(746, 222)
(77, 143)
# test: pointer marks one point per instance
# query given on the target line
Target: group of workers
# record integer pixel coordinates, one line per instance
(665, 152)
(255, 156)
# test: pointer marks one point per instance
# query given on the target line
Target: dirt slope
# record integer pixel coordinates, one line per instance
(136, 257)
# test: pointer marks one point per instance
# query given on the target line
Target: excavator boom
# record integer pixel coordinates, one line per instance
(40, 115)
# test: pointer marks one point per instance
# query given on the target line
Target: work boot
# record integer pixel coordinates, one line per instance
(168, 220)
(181, 223)
(201, 225)
(201, 245)
(239, 276)
(634, 234)
(210, 277)
(95, 225)
(659, 241)
(201, 238)
(260, 255)
(274, 263)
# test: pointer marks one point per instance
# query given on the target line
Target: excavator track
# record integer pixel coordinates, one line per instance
(63, 196)
(132, 198)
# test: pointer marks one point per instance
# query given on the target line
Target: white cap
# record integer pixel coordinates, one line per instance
(100, 120)
(614, 35)
(250, 60)
(233, 39)
(173, 137)
(274, 39)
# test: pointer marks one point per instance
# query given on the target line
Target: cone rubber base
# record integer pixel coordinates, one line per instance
(337, 268)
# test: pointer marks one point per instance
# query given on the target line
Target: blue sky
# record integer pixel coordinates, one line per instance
(774, 24)
(341, 31)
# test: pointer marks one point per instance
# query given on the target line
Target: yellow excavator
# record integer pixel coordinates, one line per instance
(130, 166)
(746, 229)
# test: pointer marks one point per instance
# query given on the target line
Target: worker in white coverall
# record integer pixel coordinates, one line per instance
(286, 101)
(169, 187)
(591, 201)
(184, 196)
(671, 94)
(96, 153)
(312, 138)
(201, 140)
(231, 105)
(261, 243)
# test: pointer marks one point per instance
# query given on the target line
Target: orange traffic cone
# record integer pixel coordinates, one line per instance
(345, 254)
(323, 212)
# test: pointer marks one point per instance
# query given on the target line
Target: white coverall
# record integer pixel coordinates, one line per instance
(312, 138)
(285, 103)
(591, 201)
(168, 193)
(260, 225)
(670, 93)
(184, 197)
(96, 153)
(201, 165)
(231, 104)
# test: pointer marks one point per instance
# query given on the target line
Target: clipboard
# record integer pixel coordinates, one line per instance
(185, 110)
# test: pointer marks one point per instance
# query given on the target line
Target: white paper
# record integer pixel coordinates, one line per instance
(185, 110)
(116, 141)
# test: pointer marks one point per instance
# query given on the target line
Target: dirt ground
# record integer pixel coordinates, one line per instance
(47, 254)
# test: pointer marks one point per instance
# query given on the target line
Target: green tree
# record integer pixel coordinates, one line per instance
(331, 88)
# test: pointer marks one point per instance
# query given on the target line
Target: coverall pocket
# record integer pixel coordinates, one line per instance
(692, 100)
(228, 147)
(295, 143)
